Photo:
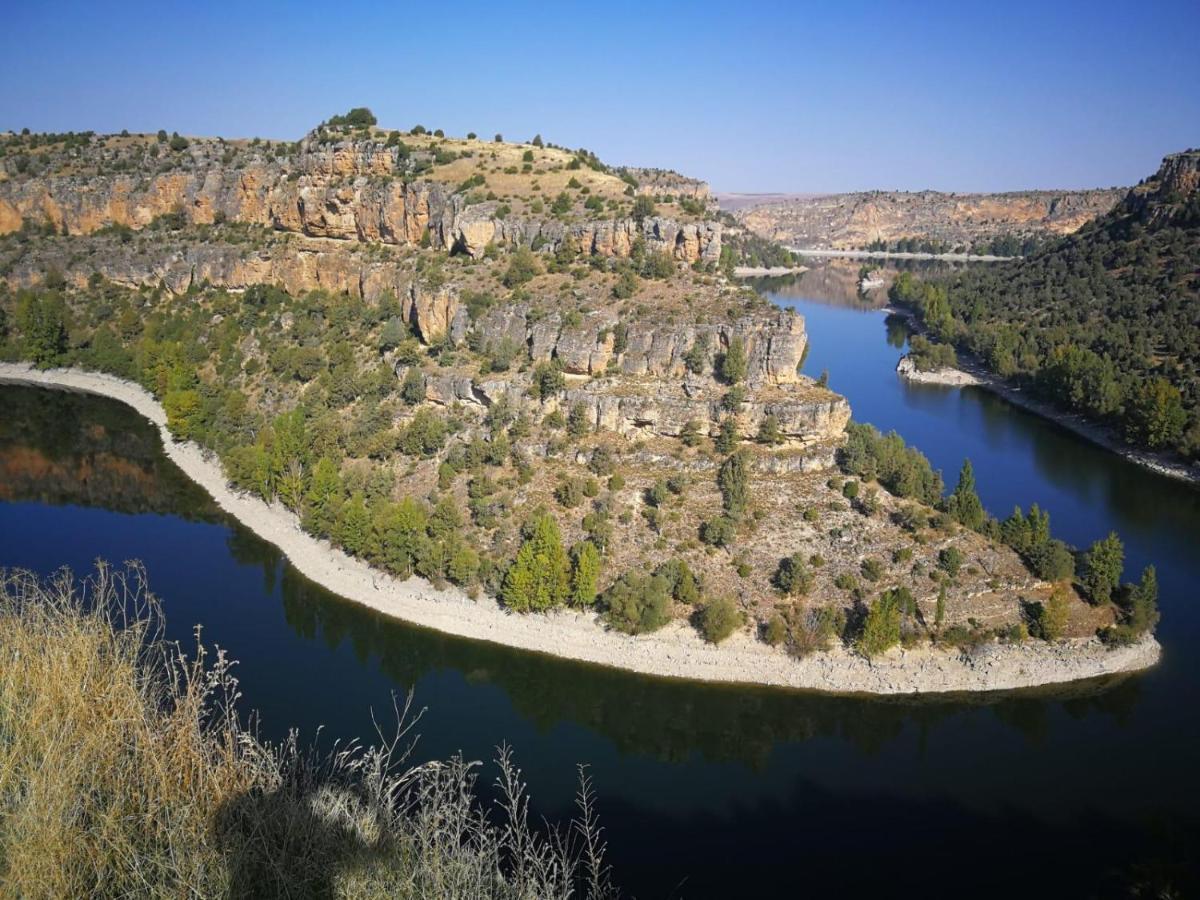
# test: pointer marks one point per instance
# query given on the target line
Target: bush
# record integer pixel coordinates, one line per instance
(719, 619)
(775, 632)
(638, 603)
(718, 532)
(523, 267)
(950, 560)
(793, 576)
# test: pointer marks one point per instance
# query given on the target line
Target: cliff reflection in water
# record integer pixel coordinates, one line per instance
(66, 448)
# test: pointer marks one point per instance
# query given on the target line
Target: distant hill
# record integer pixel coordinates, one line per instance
(1105, 322)
(927, 220)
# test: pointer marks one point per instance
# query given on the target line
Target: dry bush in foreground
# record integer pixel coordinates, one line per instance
(125, 771)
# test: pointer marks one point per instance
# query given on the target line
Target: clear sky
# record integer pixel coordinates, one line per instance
(751, 96)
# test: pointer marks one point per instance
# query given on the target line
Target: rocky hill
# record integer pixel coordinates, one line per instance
(1104, 323)
(353, 185)
(950, 221)
(431, 347)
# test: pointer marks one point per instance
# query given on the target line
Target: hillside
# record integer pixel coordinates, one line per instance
(503, 366)
(1105, 322)
(926, 220)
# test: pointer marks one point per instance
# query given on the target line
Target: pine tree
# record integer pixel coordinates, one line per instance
(540, 576)
(1102, 568)
(354, 526)
(1143, 602)
(324, 491)
(585, 573)
(734, 482)
(939, 613)
(733, 365)
(964, 503)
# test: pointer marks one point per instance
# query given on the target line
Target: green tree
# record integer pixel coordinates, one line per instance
(463, 566)
(1103, 566)
(719, 618)
(727, 436)
(1156, 416)
(585, 573)
(643, 207)
(324, 492)
(523, 266)
(733, 479)
(354, 525)
(1050, 619)
(638, 602)
(881, 628)
(540, 577)
(964, 503)
(1142, 609)
(42, 321)
(793, 576)
(950, 560)
(184, 413)
(733, 363)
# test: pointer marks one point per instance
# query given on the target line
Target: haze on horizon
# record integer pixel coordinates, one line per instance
(764, 97)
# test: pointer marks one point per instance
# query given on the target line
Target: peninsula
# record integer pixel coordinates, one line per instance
(507, 391)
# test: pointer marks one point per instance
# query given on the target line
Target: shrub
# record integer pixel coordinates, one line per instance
(872, 569)
(775, 632)
(523, 267)
(638, 603)
(718, 532)
(793, 576)
(950, 560)
(719, 619)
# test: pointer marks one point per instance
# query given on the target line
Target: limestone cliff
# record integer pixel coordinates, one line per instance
(853, 221)
(348, 190)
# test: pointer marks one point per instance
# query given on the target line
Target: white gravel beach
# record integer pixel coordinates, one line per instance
(676, 651)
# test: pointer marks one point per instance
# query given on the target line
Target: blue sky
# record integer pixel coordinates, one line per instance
(750, 96)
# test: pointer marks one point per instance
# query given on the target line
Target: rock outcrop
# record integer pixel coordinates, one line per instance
(347, 191)
(853, 221)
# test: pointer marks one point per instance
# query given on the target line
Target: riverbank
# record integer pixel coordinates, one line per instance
(972, 373)
(676, 651)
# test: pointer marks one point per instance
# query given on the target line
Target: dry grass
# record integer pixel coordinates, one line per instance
(125, 772)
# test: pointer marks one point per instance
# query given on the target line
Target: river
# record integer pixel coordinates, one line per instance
(705, 790)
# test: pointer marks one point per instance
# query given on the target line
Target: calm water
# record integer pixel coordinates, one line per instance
(705, 790)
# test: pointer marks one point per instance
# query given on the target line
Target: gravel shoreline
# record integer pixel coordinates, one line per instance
(676, 651)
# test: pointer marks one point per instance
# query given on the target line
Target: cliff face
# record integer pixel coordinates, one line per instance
(851, 221)
(1168, 194)
(351, 190)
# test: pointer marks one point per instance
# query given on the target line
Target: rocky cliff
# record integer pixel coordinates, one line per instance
(349, 189)
(853, 221)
